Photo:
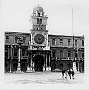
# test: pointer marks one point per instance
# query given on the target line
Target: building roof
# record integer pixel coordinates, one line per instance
(50, 35)
(38, 9)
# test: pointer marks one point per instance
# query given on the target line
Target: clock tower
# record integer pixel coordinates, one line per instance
(39, 34)
(39, 51)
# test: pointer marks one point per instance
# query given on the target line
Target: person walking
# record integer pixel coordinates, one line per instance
(69, 73)
(63, 71)
(72, 72)
(66, 74)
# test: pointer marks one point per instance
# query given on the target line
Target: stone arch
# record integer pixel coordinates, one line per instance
(15, 64)
(7, 67)
(61, 66)
(69, 66)
(23, 66)
(38, 62)
(53, 66)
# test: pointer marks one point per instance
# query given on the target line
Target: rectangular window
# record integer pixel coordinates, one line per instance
(68, 42)
(15, 52)
(61, 54)
(53, 41)
(39, 14)
(53, 53)
(69, 53)
(7, 39)
(76, 54)
(6, 52)
(24, 39)
(23, 52)
(82, 42)
(82, 54)
(61, 42)
(75, 42)
(39, 21)
(16, 39)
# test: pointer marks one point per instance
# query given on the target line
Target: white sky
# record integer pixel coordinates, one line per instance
(16, 15)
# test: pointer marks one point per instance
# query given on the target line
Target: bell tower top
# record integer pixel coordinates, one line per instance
(38, 11)
(38, 19)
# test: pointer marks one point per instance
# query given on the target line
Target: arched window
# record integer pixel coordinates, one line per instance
(68, 42)
(7, 39)
(61, 54)
(53, 41)
(82, 42)
(61, 41)
(69, 53)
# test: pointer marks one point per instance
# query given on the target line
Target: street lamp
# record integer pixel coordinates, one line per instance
(11, 59)
(19, 42)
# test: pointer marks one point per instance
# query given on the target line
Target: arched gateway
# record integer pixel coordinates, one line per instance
(38, 62)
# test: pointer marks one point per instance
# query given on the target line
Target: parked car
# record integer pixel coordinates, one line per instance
(57, 70)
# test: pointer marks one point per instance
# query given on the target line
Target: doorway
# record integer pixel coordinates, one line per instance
(38, 63)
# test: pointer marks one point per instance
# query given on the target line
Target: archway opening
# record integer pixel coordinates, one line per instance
(23, 66)
(7, 67)
(61, 66)
(15, 64)
(38, 63)
(69, 66)
(53, 67)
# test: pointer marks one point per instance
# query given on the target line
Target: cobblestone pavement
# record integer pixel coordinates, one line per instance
(42, 78)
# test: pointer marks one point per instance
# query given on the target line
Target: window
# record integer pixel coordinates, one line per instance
(24, 39)
(82, 42)
(15, 52)
(23, 52)
(53, 41)
(6, 52)
(7, 39)
(69, 53)
(38, 14)
(76, 54)
(53, 53)
(82, 54)
(61, 42)
(68, 42)
(75, 42)
(61, 54)
(16, 39)
(39, 21)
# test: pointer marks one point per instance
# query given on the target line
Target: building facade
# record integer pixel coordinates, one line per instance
(40, 51)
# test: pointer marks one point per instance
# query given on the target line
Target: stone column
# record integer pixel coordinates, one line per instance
(31, 63)
(44, 65)
(28, 68)
(49, 64)
(78, 66)
(18, 68)
(74, 66)
(47, 68)
(11, 59)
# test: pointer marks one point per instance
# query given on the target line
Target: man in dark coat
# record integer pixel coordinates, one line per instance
(63, 71)
(72, 72)
(69, 73)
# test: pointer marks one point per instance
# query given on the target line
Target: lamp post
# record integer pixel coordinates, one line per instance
(19, 42)
(74, 62)
(11, 59)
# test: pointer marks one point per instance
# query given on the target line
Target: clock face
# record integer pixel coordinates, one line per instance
(39, 38)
